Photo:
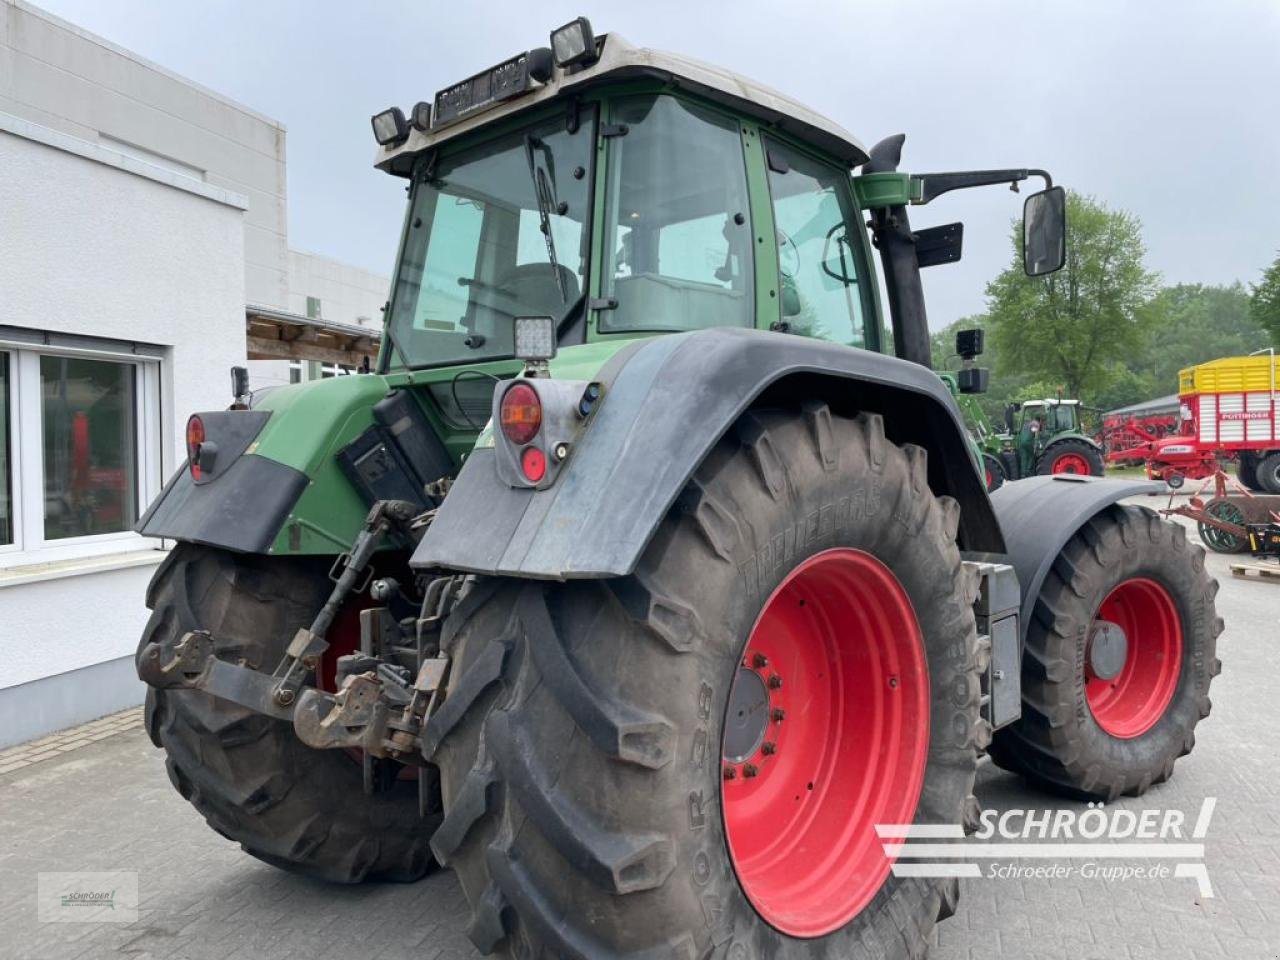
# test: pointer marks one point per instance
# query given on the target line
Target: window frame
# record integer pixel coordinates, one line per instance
(26, 454)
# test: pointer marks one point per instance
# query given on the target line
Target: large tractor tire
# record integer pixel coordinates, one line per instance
(993, 472)
(1268, 472)
(694, 757)
(1070, 456)
(1119, 655)
(250, 777)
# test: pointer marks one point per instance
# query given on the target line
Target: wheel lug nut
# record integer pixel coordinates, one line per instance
(777, 714)
(750, 770)
(775, 682)
(768, 748)
(893, 683)
(730, 773)
(759, 661)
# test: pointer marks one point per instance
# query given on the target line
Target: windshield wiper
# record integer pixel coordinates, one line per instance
(544, 192)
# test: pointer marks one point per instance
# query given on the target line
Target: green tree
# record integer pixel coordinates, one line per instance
(1077, 327)
(1264, 305)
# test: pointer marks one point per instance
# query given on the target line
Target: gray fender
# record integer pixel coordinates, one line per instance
(1039, 515)
(667, 401)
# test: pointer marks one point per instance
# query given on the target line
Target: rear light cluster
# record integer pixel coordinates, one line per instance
(540, 421)
(195, 437)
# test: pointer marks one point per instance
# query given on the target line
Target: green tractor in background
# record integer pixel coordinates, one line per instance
(643, 582)
(1040, 437)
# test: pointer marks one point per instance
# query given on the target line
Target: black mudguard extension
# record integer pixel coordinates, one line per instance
(1039, 515)
(667, 401)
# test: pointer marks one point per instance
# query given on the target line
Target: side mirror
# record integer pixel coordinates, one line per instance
(1044, 232)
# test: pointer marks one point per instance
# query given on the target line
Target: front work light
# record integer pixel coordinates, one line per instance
(421, 116)
(574, 43)
(535, 338)
(390, 126)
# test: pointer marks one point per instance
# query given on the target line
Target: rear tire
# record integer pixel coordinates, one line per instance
(250, 777)
(1085, 737)
(1268, 473)
(580, 745)
(1247, 472)
(1070, 456)
(993, 470)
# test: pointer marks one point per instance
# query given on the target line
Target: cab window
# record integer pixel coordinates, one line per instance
(677, 244)
(821, 270)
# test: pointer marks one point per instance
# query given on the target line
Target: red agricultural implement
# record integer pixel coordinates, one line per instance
(1228, 410)
(1223, 521)
(1126, 433)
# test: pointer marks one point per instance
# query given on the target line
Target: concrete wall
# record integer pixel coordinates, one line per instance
(347, 294)
(95, 242)
(64, 78)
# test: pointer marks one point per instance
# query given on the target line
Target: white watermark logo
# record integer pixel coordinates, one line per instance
(1163, 842)
(87, 897)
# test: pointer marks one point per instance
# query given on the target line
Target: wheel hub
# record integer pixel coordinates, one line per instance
(748, 716)
(1108, 649)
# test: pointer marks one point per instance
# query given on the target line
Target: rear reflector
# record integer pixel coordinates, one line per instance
(521, 414)
(195, 437)
(534, 464)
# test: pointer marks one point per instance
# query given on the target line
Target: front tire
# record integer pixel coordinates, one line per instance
(1070, 456)
(251, 778)
(993, 471)
(584, 742)
(1111, 720)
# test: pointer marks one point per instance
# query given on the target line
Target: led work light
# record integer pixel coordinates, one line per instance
(535, 338)
(390, 126)
(574, 43)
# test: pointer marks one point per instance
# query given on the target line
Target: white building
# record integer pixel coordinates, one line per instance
(142, 217)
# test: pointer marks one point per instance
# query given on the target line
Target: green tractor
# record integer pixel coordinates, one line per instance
(643, 583)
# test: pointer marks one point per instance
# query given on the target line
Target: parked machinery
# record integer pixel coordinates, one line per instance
(639, 583)
(1228, 409)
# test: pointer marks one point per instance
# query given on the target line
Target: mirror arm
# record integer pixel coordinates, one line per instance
(933, 185)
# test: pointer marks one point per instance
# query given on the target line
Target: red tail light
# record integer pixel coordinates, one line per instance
(521, 414)
(195, 437)
(534, 464)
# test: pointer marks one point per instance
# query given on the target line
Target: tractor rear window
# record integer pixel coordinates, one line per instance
(677, 245)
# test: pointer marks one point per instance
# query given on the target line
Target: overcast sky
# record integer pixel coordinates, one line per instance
(1168, 109)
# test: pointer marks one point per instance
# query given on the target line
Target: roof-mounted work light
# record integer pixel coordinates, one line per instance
(574, 43)
(390, 126)
(420, 116)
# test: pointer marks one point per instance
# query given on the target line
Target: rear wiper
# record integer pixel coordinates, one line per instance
(544, 192)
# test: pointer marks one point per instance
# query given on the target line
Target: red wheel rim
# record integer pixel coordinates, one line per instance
(1071, 463)
(843, 747)
(1130, 703)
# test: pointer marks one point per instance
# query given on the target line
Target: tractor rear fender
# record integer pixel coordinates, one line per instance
(1039, 515)
(667, 400)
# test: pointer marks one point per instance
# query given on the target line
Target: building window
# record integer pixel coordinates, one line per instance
(89, 419)
(295, 371)
(6, 458)
(79, 451)
(313, 308)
